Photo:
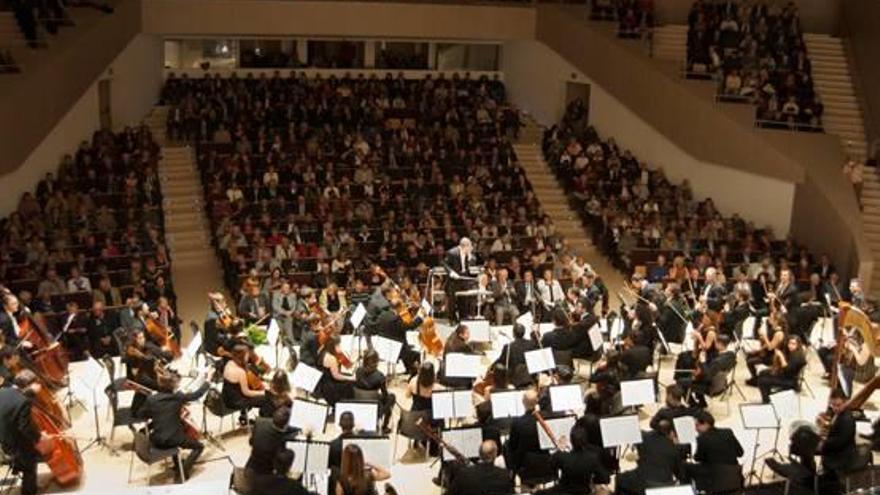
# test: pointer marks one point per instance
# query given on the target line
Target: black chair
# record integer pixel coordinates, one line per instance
(563, 358)
(122, 416)
(724, 480)
(861, 463)
(214, 404)
(536, 470)
(150, 455)
(408, 426)
(240, 482)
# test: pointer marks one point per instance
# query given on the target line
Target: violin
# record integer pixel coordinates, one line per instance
(48, 356)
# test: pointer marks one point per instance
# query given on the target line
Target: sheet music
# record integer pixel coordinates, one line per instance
(451, 404)
(377, 451)
(443, 330)
(786, 404)
(671, 490)
(545, 328)
(366, 414)
(748, 328)
(304, 377)
(317, 454)
(412, 338)
(822, 333)
(194, 345)
(688, 343)
(603, 326)
(685, 429)
(272, 332)
(318, 482)
(618, 431)
(637, 392)
(758, 416)
(479, 330)
(352, 344)
(426, 307)
(459, 365)
(561, 428)
(507, 404)
(388, 350)
(465, 440)
(526, 319)
(540, 360)
(566, 398)
(357, 316)
(308, 416)
(595, 335)
(616, 329)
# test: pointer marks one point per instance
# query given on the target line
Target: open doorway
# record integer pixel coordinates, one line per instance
(575, 90)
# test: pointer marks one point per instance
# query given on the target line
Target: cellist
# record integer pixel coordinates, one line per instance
(9, 321)
(18, 434)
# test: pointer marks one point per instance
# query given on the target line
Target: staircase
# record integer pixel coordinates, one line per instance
(871, 219)
(195, 269)
(555, 204)
(670, 42)
(831, 77)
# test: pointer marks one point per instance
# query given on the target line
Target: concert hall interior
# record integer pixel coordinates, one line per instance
(460, 247)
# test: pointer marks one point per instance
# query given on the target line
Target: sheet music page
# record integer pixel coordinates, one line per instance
(566, 398)
(507, 404)
(685, 429)
(618, 431)
(786, 404)
(748, 328)
(526, 319)
(479, 330)
(459, 365)
(540, 360)
(442, 405)
(388, 349)
(366, 414)
(637, 392)
(304, 377)
(272, 332)
(317, 454)
(758, 416)
(377, 451)
(193, 348)
(357, 316)
(595, 334)
(561, 428)
(308, 416)
(463, 403)
(465, 440)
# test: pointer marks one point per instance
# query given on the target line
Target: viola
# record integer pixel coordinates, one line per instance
(47, 354)
(59, 451)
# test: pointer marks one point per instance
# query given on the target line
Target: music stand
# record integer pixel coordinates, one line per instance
(758, 417)
(92, 381)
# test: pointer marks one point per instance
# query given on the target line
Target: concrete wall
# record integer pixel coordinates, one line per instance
(861, 20)
(338, 19)
(137, 77)
(536, 79)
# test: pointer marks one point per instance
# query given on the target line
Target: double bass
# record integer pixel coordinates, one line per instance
(44, 398)
(189, 427)
(58, 450)
(162, 335)
(47, 354)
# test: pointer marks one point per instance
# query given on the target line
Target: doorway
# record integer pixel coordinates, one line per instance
(575, 90)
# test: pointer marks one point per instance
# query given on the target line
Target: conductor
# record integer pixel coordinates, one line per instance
(457, 263)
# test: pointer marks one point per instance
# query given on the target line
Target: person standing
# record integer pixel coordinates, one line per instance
(18, 434)
(457, 262)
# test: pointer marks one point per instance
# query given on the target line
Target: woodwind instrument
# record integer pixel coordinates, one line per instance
(544, 426)
(432, 435)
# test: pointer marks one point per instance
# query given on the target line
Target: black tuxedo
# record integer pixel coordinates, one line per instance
(524, 454)
(559, 339)
(163, 409)
(481, 479)
(839, 446)
(266, 441)
(522, 291)
(19, 436)
(579, 470)
(516, 364)
(659, 464)
(718, 446)
(456, 267)
(788, 296)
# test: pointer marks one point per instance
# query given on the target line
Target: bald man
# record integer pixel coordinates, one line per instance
(524, 455)
(484, 477)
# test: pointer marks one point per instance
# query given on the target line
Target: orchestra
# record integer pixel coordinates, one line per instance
(707, 322)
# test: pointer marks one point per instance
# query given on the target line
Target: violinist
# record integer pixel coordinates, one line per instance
(737, 313)
(606, 377)
(368, 377)
(713, 291)
(167, 429)
(390, 324)
(635, 356)
(593, 292)
(579, 468)
(674, 407)
(722, 360)
(277, 395)
(671, 320)
(19, 436)
(659, 464)
(785, 371)
(334, 385)
(483, 477)
(560, 338)
(238, 392)
(769, 345)
(704, 338)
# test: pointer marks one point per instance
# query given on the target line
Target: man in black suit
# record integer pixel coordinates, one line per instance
(715, 447)
(482, 478)
(457, 262)
(346, 424)
(9, 321)
(268, 439)
(713, 291)
(100, 325)
(560, 338)
(674, 407)
(523, 454)
(636, 357)
(18, 435)
(659, 464)
(580, 468)
(278, 481)
(839, 447)
(389, 325)
(167, 429)
(513, 355)
(527, 297)
(504, 296)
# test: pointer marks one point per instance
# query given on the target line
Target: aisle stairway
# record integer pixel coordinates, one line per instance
(195, 269)
(555, 204)
(670, 42)
(832, 80)
(871, 219)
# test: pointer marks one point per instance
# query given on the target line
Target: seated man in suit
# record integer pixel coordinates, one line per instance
(513, 355)
(839, 447)
(268, 438)
(674, 407)
(715, 447)
(504, 296)
(723, 362)
(482, 478)
(579, 469)
(279, 480)
(346, 424)
(388, 324)
(523, 453)
(167, 427)
(660, 462)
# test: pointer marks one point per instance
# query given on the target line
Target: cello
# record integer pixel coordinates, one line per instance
(162, 336)
(47, 354)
